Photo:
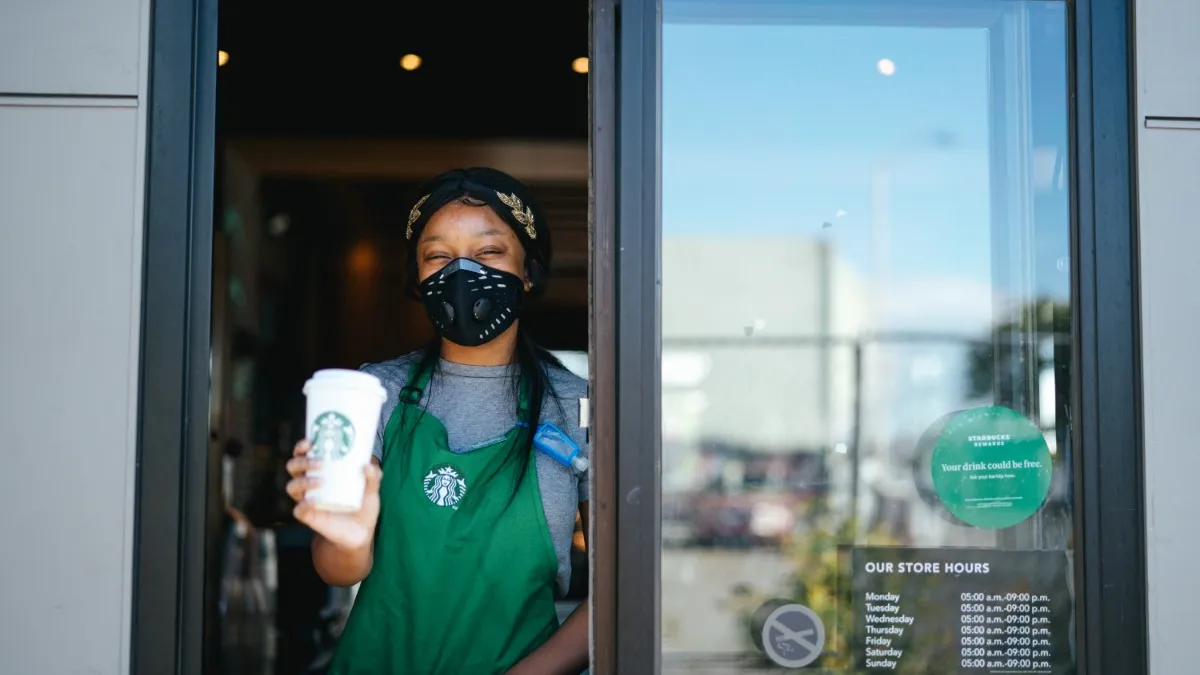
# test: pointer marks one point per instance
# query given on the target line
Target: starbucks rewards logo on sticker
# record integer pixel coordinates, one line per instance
(445, 486)
(332, 436)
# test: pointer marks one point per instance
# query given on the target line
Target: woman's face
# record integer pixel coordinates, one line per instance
(465, 231)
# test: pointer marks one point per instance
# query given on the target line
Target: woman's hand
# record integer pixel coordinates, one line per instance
(347, 531)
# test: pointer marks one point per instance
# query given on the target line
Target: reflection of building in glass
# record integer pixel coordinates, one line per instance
(755, 394)
(729, 374)
(765, 398)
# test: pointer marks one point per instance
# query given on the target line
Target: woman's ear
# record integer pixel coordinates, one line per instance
(527, 277)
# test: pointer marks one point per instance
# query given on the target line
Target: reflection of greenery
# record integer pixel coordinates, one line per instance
(820, 580)
(1042, 318)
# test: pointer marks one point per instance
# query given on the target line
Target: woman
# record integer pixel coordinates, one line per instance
(464, 538)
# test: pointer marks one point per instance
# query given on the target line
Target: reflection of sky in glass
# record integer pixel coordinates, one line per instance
(788, 129)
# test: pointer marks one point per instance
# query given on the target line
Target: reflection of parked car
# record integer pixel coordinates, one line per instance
(743, 519)
(677, 526)
(741, 498)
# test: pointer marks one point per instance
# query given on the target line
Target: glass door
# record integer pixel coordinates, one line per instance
(866, 321)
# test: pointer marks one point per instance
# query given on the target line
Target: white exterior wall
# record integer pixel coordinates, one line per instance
(72, 130)
(1168, 120)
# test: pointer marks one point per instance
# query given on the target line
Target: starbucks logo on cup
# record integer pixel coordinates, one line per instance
(445, 486)
(332, 436)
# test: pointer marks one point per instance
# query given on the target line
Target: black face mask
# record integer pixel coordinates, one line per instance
(470, 304)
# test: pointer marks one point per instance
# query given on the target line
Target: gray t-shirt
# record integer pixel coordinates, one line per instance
(477, 407)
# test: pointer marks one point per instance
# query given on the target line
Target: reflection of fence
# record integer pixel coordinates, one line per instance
(890, 337)
(992, 345)
(907, 337)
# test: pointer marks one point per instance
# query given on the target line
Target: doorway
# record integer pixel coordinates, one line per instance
(326, 122)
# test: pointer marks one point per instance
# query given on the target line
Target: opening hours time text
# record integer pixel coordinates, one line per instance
(1005, 632)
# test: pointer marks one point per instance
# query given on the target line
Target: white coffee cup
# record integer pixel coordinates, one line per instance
(341, 421)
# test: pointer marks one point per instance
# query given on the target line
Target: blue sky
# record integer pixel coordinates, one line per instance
(778, 129)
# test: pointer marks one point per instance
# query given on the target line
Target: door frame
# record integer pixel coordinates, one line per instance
(626, 351)
(626, 371)
(602, 337)
(1109, 501)
(167, 631)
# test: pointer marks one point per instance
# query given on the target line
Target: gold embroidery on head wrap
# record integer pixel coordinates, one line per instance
(414, 215)
(522, 213)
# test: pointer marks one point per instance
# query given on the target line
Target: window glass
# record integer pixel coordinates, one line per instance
(866, 330)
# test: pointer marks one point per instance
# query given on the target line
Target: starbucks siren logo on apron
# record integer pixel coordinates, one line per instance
(333, 436)
(444, 486)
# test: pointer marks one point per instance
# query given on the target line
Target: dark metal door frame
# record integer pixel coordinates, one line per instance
(172, 446)
(626, 226)
(602, 339)
(1109, 505)
(625, 336)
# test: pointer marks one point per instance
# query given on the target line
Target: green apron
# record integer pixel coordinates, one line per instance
(464, 570)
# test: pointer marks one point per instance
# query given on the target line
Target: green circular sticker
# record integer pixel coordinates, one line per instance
(332, 436)
(991, 467)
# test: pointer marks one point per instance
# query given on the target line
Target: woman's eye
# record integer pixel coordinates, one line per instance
(437, 256)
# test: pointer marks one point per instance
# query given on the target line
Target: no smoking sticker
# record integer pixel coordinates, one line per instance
(790, 634)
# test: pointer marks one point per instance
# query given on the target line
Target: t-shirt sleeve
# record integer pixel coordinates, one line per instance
(377, 450)
(392, 378)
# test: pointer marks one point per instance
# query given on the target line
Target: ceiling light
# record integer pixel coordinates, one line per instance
(279, 224)
(364, 259)
(580, 65)
(410, 62)
(886, 67)
(222, 58)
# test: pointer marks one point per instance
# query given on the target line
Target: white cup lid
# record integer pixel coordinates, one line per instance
(346, 379)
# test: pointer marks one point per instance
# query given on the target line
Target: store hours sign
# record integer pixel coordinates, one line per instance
(942, 611)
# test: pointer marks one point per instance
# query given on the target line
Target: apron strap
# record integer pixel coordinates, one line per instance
(418, 380)
(523, 402)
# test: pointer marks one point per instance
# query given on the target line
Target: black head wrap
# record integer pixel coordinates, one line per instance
(511, 199)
